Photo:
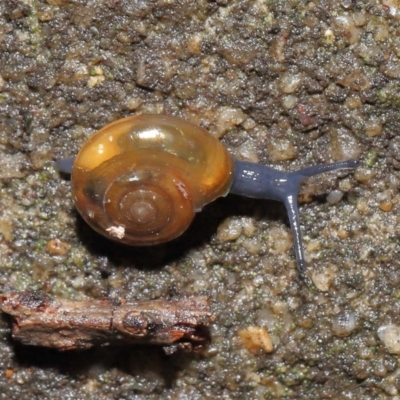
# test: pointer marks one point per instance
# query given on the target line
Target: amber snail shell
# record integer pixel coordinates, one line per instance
(141, 179)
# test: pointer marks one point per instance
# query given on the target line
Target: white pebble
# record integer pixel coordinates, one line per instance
(289, 102)
(229, 230)
(228, 118)
(252, 245)
(390, 336)
(334, 197)
(280, 240)
(290, 82)
(344, 25)
(281, 150)
(344, 145)
(247, 151)
(344, 324)
(323, 279)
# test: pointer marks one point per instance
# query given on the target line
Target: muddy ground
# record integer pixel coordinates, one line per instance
(284, 83)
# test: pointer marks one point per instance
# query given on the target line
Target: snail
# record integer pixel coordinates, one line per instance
(141, 179)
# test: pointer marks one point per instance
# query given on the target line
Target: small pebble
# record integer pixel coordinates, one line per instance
(230, 229)
(360, 19)
(228, 118)
(247, 151)
(323, 279)
(357, 80)
(6, 229)
(57, 247)
(248, 226)
(289, 102)
(343, 233)
(363, 175)
(344, 26)
(280, 240)
(9, 373)
(344, 323)
(252, 245)
(46, 14)
(95, 80)
(132, 103)
(290, 82)
(334, 197)
(390, 336)
(329, 36)
(281, 150)
(194, 44)
(386, 206)
(256, 339)
(373, 127)
(362, 206)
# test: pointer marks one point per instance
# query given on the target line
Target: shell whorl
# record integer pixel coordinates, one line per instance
(140, 179)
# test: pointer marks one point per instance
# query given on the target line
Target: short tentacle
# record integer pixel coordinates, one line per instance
(292, 209)
(64, 165)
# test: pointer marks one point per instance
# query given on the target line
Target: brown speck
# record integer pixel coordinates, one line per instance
(57, 247)
(256, 338)
(343, 233)
(9, 373)
(386, 206)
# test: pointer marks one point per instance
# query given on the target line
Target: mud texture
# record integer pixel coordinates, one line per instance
(285, 83)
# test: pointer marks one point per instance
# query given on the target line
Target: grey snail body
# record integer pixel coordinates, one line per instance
(141, 179)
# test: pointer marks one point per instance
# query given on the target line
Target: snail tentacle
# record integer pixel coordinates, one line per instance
(261, 181)
(64, 165)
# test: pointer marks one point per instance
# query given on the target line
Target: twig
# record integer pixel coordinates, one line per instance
(38, 320)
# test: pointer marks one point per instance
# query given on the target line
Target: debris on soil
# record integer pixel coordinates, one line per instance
(38, 320)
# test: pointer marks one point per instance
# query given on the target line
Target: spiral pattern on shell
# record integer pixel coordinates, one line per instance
(140, 179)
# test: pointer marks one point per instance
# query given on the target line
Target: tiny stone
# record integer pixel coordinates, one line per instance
(289, 102)
(194, 44)
(362, 206)
(344, 324)
(9, 373)
(343, 233)
(247, 151)
(281, 150)
(228, 118)
(95, 80)
(229, 230)
(323, 279)
(57, 247)
(133, 103)
(390, 336)
(253, 245)
(364, 175)
(280, 240)
(334, 197)
(386, 206)
(255, 339)
(373, 128)
(290, 82)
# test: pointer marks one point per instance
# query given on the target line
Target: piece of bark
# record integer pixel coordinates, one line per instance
(38, 320)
